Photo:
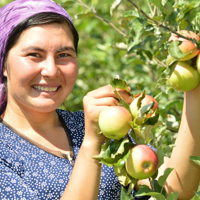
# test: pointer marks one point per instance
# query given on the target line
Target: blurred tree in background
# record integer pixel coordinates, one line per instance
(117, 39)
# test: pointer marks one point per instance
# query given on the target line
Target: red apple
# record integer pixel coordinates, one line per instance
(142, 162)
(114, 122)
(186, 46)
(184, 77)
(145, 101)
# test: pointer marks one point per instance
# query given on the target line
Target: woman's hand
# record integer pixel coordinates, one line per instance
(94, 102)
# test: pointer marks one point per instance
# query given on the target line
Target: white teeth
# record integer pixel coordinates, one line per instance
(46, 89)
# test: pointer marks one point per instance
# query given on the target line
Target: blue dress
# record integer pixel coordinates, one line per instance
(29, 172)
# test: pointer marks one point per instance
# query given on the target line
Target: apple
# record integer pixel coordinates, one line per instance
(186, 46)
(145, 101)
(198, 63)
(114, 122)
(184, 77)
(142, 162)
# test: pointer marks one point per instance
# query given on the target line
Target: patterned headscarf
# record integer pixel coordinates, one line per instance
(10, 16)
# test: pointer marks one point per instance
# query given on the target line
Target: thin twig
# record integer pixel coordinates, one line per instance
(101, 18)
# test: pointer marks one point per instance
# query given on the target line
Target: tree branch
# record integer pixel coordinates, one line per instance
(101, 18)
(157, 23)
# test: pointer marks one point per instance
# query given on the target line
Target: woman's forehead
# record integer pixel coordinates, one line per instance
(58, 35)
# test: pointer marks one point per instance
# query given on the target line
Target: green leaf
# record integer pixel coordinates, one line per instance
(132, 186)
(196, 197)
(157, 187)
(160, 154)
(173, 196)
(147, 134)
(131, 14)
(167, 9)
(85, 15)
(153, 119)
(119, 83)
(136, 38)
(123, 145)
(197, 193)
(166, 73)
(124, 195)
(141, 113)
(136, 134)
(196, 159)
(156, 2)
(163, 178)
(174, 50)
(67, 3)
(103, 149)
(149, 192)
(121, 172)
(114, 152)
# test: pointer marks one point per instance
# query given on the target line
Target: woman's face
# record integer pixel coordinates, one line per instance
(41, 68)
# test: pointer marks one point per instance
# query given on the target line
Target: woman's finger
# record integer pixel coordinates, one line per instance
(108, 91)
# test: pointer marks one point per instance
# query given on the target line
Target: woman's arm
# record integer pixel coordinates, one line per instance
(85, 179)
(186, 174)
(185, 177)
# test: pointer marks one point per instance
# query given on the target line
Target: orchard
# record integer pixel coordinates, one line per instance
(153, 46)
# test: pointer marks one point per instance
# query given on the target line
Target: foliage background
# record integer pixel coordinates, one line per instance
(116, 40)
(107, 28)
(105, 34)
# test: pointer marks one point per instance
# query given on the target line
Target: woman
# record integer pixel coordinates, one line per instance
(40, 144)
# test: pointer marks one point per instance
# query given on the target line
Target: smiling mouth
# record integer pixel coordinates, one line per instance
(45, 89)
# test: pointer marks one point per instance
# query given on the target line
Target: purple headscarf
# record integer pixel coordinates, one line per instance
(10, 16)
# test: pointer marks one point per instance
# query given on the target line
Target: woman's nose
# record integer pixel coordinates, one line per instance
(50, 68)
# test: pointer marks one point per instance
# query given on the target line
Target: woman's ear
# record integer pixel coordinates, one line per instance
(5, 69)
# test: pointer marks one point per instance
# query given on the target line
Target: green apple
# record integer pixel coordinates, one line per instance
(184, 77)
(186, 46)
(114, 122)
(142, 162)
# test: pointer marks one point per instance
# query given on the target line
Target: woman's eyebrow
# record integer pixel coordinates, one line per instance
(66, 48)
(35, 48)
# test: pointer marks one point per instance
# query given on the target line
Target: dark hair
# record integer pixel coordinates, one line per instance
(40, 19)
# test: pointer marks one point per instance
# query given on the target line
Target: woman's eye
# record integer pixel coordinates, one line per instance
(34, 55)
(63, 55)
